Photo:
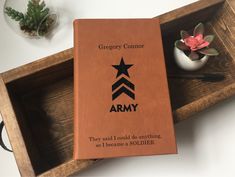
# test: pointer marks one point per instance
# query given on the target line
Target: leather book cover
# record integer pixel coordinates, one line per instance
(121, 99)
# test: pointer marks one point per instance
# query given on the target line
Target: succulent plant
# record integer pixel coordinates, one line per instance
(196, 45)
(37, 19)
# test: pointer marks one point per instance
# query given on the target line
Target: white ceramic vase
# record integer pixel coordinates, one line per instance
(185, 63)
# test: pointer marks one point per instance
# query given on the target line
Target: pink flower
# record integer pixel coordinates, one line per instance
(196, 42)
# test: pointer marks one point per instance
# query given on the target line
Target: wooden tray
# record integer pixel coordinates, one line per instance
(37, 99)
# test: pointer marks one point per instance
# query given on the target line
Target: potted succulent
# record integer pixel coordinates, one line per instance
(37, 21)
(192, 52)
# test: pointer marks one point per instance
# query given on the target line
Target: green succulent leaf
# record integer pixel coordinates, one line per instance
(209, 38)
(209, 52)
(180, 45)
(199, 29)
(34, 18)
(14, 14)
(184, 34)
(193, 56)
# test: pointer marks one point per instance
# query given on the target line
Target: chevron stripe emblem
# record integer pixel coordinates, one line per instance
(123, 85)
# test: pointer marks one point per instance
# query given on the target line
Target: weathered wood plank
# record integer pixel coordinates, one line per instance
(198, 106)
(14, 133)
(37, 65)
(223, 26)
(68, 168)
(200, 11)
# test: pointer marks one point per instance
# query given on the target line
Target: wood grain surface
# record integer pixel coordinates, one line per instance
(37, 98)
(16, 138)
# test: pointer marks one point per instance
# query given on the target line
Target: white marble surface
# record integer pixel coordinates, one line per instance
(206, 143)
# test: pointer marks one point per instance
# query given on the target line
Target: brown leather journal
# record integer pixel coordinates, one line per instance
(121, 100)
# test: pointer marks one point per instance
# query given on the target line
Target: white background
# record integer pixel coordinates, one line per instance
(205, 143)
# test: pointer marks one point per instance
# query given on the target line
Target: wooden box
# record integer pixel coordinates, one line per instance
(37, 99)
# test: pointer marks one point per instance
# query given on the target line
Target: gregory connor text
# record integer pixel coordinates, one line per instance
(119, 47)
